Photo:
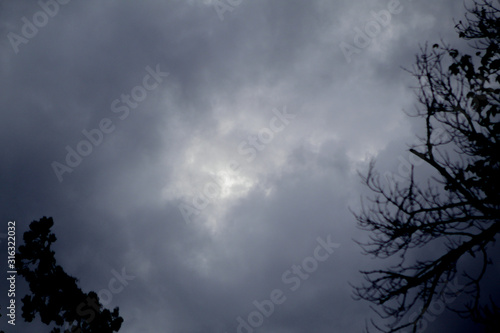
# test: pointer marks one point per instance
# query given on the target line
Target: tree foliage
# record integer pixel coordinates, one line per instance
(459, 208)
(55, 296)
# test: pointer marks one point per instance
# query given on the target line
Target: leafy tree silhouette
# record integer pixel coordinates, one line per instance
(55, 296)
(459, 96)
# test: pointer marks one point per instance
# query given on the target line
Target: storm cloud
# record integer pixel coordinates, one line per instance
(215, 186)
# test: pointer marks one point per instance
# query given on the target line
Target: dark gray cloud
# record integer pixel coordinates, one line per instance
(119, 207)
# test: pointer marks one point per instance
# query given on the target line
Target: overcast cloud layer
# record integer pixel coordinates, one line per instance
(261, 112)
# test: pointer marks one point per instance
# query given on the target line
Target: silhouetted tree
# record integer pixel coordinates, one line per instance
(55, 296)
(1, 331)
(457, 212)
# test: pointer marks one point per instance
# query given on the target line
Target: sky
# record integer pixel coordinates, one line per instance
(200, 157)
